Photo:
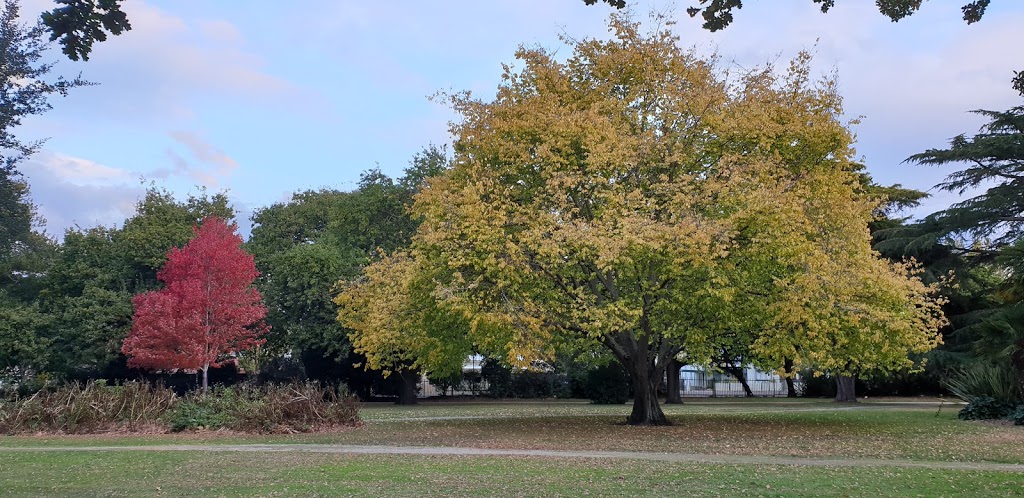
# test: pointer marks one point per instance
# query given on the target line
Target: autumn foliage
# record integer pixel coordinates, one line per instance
(640, 199)
(207, 309)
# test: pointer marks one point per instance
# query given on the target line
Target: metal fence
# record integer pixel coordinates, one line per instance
(694, 382)
(702, 383)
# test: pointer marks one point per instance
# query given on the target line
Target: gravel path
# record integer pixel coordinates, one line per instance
(455, 451)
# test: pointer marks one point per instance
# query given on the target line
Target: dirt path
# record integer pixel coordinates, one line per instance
(455, 451)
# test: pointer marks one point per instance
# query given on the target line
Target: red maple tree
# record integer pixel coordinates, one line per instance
(207, 309)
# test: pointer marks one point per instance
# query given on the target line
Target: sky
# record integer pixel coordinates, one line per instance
(263, 98)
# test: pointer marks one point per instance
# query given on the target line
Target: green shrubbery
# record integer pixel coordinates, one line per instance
(985, 408)
(607, 385)
(985, 380)
(1018, 415)
(502, 382)
(135, 406)
(991, 392)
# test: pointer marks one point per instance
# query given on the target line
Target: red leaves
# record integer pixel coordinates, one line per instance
(207, 310)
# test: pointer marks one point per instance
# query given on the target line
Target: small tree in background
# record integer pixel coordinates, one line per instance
(207, 309)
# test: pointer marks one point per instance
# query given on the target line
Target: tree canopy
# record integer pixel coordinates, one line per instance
(207, 310)
(718, 14)
(638, 198)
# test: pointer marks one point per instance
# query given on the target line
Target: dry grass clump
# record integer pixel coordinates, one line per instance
(88, 408)
(140, 407)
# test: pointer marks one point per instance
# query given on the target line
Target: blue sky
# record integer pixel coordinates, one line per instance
(263, 98)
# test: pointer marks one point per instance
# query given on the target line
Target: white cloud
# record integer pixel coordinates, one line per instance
(169, 68)
(78, 170)
(70, 191)
(73, 192)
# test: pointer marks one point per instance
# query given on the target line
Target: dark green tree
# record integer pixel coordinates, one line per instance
(995, 157)
(25, 255)
(80, 23)
(25, 89)
(87, 290)
(980, 238)
(304, 246)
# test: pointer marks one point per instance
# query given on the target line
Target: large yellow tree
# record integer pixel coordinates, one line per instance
(639, 197)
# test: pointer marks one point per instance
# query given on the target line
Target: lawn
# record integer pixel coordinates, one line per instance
(763, 428)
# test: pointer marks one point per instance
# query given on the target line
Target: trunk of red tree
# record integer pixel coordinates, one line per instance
(790, 383)
(407, 387)
(846, 389)
(206, 385)
(673, 396)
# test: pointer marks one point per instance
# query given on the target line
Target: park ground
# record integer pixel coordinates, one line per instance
(717, 447)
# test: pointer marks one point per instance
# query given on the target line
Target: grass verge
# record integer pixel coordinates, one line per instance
(299, 474)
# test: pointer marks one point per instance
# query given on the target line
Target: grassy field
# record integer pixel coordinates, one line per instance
(906, 432)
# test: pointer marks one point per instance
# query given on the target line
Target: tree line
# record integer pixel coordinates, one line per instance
(633, 204)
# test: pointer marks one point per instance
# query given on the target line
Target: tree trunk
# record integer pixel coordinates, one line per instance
(845, 389)
(790, 383)
(645, 363)
(672, 368)
(206, 368)
(646, 410)
(737, 372)
(407, 389)
(1017, 362)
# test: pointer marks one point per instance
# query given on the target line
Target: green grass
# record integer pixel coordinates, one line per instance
(299, 474)
(802, 428)
(760, 427)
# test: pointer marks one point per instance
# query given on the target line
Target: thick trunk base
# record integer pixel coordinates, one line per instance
(646, 410)
(846, 389)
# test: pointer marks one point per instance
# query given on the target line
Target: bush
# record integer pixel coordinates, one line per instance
(498, 378)
(985, 380)
(1018, 415)
(446, 383)
(299, 407)
(292, 408)
(985, 408)
(503, 383)
(134, 406)
(197, 413)
(817, 386)
(607, 385)
(85, 408)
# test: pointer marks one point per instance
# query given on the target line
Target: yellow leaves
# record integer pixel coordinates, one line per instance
(637, 190)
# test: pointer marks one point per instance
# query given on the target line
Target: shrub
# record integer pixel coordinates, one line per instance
(199, 412)
(498, 377)
(97, 407)
(1018, 415)
(446, 383)
(985, 408)
(85, 408)
(607, 385)
(817, 386)
(984, 380)
(299, 407)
